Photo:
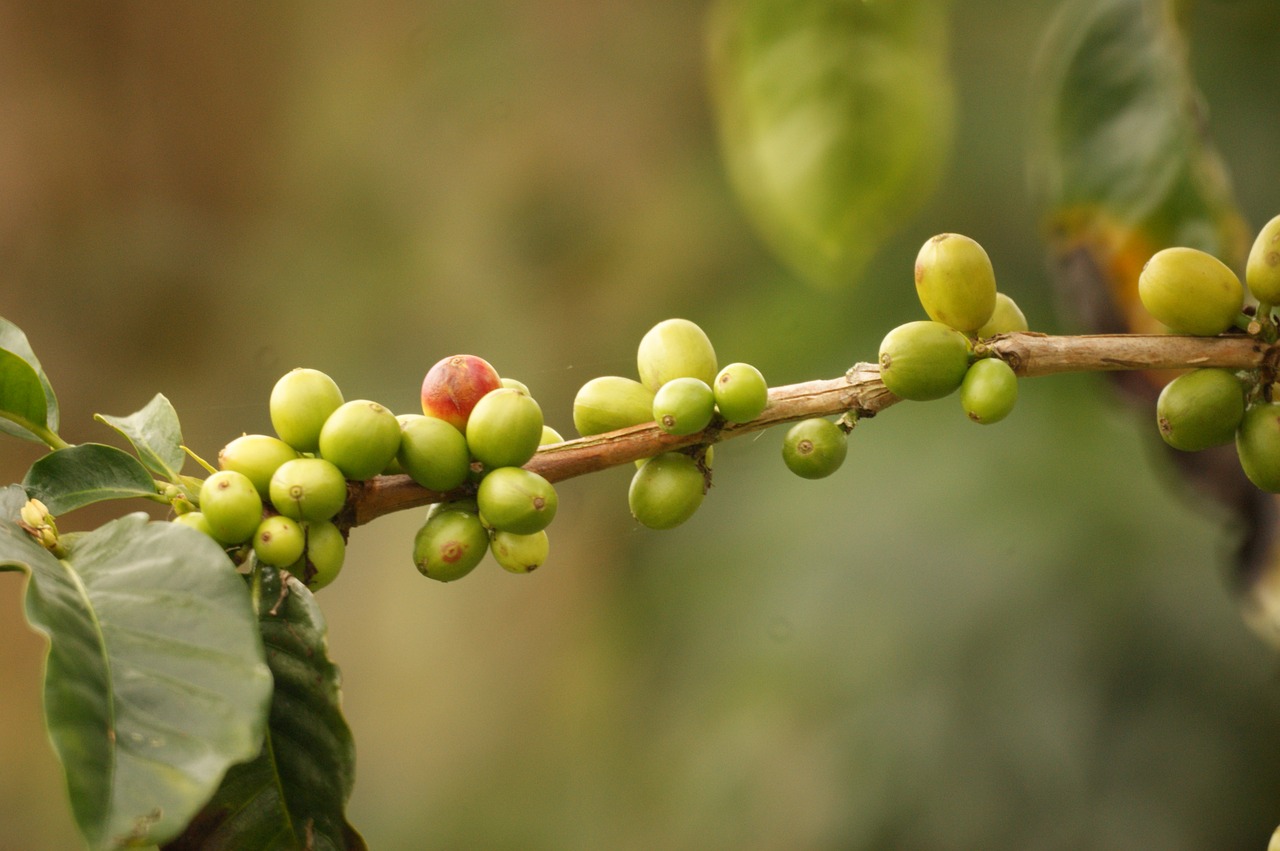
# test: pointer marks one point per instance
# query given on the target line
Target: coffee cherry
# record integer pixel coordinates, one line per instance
(666, 491)
(549, 436)
(450, 545)
(279, 541)
(433, 453)
(513, 499)
(257, 456)
(989, 391)
(611, 402)
(1258, 445)
(815, 448)
(1262, 273)
(504, 428)
(955, 281)
(684, 406)
(231, 506)
(519, 553)
(1007, 318)
(360, 438)
(323, 558)
(1200, 409)
(308, 489)
(196, 521)
(675, 348)
(513, 384)
(300, 403)
(1190, 292)
(923, 360)
(741, 392)
(453, 385)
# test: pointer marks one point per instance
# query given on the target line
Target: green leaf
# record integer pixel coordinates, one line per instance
(294, 794)
(155, 681)
(81, 475)
(834, 118)
(155, 434)
(14, 342)
(22, 402)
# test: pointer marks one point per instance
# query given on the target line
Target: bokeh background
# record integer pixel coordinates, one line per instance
(1015, 637)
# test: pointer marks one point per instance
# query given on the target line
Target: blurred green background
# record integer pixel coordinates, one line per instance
(1018, 637)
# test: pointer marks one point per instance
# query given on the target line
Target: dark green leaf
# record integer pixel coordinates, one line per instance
(14, 341)
(155, 434)
(294, 794)
(834, 119)
(155, 681)
(81, 475)
(22, 402)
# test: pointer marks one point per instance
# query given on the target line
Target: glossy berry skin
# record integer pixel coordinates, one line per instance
(666, 491)
(611, 402)
(505, 428)
(1200, 409)
(519, 553)
(231, 506)
(433, 453)
(323, 557)
(308, 489)
(814, 448)
(454, 385)
(360, 438)
(258, 456)
(989, 391)
(923, 360)
(300, 403)
(279, 541)
(1262, 273)
(513, 499)
(684, 406)
(675, 348)
(1258, 445)
(741, 392)
(1190, 291)
(955, 281)
(450, 545)
(1006, 318)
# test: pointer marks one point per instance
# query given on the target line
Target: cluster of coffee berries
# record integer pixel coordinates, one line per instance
(930, 359)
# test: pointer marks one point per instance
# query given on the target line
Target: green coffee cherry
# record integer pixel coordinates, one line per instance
(923, 360)
(231, 506)
(279, 541)
(513, 499)
(1258, 445)
(513, 384)
(450, 545)
(611, 402)
(360, 438)
(684, 406)
(741, 392)
(323, 558)
(1190, 292)
(675, 348)
(257, 456)
(955, 282)
(814, 448)
(433, 453)
(666, 491)
(1200, 409)
(1262, 273)
(504, 428)
(300, 403)
(989, 391)
(550, 436)
(519, 553)
(196, 521)
(308, 489)
(1006, 319)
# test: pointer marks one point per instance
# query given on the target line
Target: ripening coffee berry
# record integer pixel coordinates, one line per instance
(513, 499)
(684, 406)
(516, 385)
(360, 438)
(923, 360)
(1007, 318)
(989, 391)
(300, 403)
(741, 392)
(666, 491)
(955, 281)
(454, 384)
(1190, 291)
(611, 402)
(433, 453)
(1258, 445)
(231, 506)
(675, 348)
(1200, 409)
(1262, 273)
(519, 553)
(308, 489)
(549, 436)
(257, 456)
(279, 541)
(196, 521)
(814, 448)
(504, 428)
(323, 558)
(450, 545)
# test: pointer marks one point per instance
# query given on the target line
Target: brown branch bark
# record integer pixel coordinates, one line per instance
(859, 391)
